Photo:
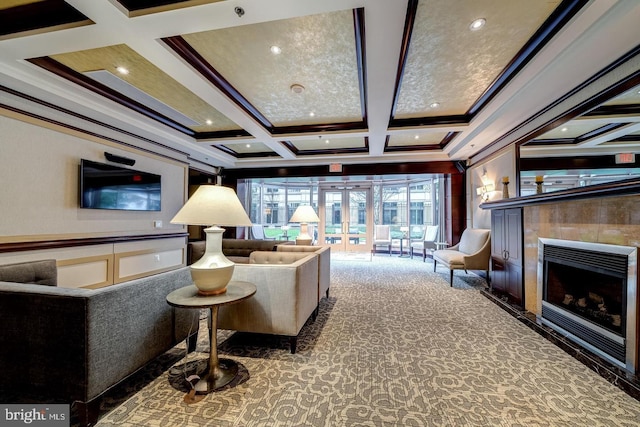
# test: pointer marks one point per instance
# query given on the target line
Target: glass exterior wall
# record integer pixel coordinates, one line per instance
(411, 203)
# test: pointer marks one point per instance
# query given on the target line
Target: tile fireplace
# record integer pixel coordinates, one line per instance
(588, 292)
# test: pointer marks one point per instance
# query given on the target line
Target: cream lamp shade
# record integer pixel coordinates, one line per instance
(304, 214)
(212, 205)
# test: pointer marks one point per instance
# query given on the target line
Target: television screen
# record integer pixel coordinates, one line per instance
(105, 186)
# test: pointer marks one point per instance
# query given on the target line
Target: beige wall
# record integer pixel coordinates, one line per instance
(502, 164)
(39, 191)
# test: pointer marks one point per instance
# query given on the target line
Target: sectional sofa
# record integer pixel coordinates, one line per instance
(66, 345)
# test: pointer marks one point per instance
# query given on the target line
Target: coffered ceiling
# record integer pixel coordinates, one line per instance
(260, 83)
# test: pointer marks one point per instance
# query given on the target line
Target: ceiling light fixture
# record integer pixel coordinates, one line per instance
(209, 122)
(416, 137)
(122, 70)
(275, 50)
(564, 129)
(296, 88)
(326, 141)
(248, 145)
(477, 24)
(312, 114)
(434, 105)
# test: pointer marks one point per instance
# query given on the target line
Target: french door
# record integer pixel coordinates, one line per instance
(346, 216)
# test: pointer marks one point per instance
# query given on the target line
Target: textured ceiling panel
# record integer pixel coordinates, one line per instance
(572, 129)
(408, 139)
(327, 143)
(149, 79)
(248, 147)
(630, 97)
(317, 52)
(452, 65)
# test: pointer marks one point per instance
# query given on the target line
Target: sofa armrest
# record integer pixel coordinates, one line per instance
(72, 344)
(480, 259)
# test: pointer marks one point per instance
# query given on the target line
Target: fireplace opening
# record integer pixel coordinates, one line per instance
(587, 291)
(595, 297)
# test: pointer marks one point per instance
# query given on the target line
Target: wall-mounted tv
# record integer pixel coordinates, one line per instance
(104, 186)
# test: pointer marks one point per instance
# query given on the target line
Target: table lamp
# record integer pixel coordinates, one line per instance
(212, 206)
(304, 214)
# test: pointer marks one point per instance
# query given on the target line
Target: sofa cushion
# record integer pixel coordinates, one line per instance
(271, 257)
(473, 240)
(42, 272)
(454, 259)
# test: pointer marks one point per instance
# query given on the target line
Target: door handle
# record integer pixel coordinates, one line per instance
(506, 253)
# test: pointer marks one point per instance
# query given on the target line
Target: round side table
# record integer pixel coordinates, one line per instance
(219, 372)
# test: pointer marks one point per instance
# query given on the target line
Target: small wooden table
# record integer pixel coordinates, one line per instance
(219, 372)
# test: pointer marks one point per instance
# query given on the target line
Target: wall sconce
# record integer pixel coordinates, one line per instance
(484, 191)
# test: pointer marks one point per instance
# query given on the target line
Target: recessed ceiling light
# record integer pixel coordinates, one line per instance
(296, 88)
(276, 50)
(564, 129)
(477, 24)
(209, 122)
(434, 105)
(416, 137)
(311, 114)
(248, 145)
(122, 70)
(326, 141)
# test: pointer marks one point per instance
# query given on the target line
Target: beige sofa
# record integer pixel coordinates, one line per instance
(324, 264)
(286, 296)
(471, 253)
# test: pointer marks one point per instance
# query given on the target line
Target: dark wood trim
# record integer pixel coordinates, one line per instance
(446, 140)
(461, 119)
(222, 134)
(298, 152)
(326, 127)
(193, 58)
(80, 79)
(615, 110)
(580, 139)
(69, 243)
(237, 155)
(572, 163)
(577, 110)
(358, 26)
(552, 25)
(618, 188)
(84, 118)
(138, 5)
(39, 15)
(367, 169)
(410, 19)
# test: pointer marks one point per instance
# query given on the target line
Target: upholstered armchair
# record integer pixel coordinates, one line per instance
(426, 243)
(471, 253)
(382, 237)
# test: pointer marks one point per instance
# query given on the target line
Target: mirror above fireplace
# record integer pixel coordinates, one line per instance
(599, 146)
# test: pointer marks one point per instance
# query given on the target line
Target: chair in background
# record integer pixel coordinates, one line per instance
(426, 243)
(473, 252)
(257, 231)
(382, 237)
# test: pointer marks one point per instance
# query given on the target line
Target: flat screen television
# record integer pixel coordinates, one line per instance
(104, 186)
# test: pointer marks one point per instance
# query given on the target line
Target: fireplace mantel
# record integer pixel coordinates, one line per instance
(617, 188)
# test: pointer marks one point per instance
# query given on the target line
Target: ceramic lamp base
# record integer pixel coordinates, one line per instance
(213, 271)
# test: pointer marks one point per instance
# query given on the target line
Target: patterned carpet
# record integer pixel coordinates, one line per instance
(394, 345)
